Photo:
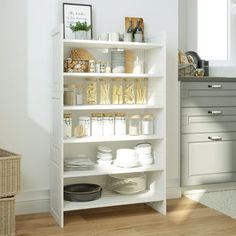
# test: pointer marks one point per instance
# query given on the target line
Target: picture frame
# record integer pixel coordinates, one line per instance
(72, 13)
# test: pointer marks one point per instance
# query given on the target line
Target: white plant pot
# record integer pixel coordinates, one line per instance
(82, 34)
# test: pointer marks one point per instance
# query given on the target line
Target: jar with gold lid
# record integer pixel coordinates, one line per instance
(120, 124)
(67, 126)
(117, 91)
(108, 124)
(91, 91)
(134, 125)
(69, 94)
(96, 124)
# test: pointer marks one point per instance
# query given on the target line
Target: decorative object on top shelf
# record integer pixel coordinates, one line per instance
(77, 17)
(80, 29)
(134, 28)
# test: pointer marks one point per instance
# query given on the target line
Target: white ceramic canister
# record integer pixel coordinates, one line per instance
(97, 124)
(67, 125)
(120, 124)
(108, 124)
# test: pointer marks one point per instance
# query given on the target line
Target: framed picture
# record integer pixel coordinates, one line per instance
(73, 13)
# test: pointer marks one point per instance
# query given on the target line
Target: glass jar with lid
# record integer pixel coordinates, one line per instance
(104, 91)
(108, 124)
(67, 125)
(117, 91)
(91, 91)
(147, 124)
(83, 127)
(69, 94)
(141, 90)
(97, 124)
(120, 124)
(129, 91)
(134, 125)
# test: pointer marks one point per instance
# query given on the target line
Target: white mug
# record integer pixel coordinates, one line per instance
(103, 36)
(128, 37)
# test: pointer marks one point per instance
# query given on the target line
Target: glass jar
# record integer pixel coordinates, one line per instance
(104, 91)
(108, 124)
(91, 66)
(97, 124)
(141, 90)
(69, 94)
(134, 125)
(147, 124)
(91, 91)
(129, 91)
(120, 124)
(83, 128)
(78, 94)
(67, 125)
(117, 91)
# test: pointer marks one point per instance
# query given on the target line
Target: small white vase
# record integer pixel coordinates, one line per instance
(81, 34)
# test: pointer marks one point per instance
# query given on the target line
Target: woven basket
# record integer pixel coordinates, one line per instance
(9, 173)
(7, 216)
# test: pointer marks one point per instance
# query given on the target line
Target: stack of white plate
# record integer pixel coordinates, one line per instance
(118, 61)
(144, 153)
(104, 156)
(78, 163)
(126, 158)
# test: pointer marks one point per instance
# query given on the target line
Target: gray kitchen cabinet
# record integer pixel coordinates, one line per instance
(208, 132)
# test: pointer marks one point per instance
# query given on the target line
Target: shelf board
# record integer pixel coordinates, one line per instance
(111, 169)
(111, 107)
(109, 75)
(111, 139)
(113, 199)
(73, 43)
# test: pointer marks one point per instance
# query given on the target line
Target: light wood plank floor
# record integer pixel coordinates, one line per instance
(184, 218)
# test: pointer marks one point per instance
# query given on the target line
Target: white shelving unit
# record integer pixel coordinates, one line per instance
(155, 71)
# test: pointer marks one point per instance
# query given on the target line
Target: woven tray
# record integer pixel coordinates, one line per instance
(9, 173)
(7, 216)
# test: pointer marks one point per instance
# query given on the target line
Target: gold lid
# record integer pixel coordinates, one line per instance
(135, 117)
(120, 114)
(108, 115)
(148, 116)
(67, 115)
(91, 79)
(96, 114)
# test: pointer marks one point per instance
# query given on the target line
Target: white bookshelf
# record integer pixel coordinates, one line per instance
(155, 71)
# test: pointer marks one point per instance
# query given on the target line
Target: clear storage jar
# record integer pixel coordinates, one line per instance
(147, 124)
(129, 91)
(104, 91)
(97, 124)
(134, 125)
(117, 91)
(67, 125)
(79, 94)
(120, 124)
(141, 90)
(108, 124)
(83, 128)
(69, 94)
(91, 91)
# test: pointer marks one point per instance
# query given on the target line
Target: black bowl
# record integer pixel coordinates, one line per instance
(82, 192)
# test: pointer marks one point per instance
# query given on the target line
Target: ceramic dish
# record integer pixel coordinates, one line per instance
(82, 192)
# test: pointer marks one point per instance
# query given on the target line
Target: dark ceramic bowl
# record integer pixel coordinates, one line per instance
(82, 192)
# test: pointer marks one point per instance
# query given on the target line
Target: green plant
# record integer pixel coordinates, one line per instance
(80, 26)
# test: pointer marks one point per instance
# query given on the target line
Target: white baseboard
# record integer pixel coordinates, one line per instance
(32, 202)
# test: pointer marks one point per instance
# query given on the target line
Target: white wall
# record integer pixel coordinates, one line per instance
(25, 62)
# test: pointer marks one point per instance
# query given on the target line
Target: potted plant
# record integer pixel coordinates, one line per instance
(80, 29)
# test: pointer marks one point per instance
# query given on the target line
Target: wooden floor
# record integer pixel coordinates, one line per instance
(184, 218)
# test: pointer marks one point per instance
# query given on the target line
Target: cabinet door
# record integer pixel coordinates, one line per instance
(208, 158)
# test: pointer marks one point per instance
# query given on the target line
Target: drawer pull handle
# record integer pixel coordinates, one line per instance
(215, 112)
(215, 138)
(215, 86)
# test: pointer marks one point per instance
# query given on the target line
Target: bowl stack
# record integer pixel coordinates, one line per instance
(118, 61)
(126, 158)
(104, 156)
(144, 153)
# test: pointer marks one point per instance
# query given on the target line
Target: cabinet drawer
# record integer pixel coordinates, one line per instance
(205, 98)
(207, 158)
(209, 119)
(210, 86)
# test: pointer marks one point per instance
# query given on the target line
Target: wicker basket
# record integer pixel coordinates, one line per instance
(7, 216)
(9, 173)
